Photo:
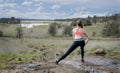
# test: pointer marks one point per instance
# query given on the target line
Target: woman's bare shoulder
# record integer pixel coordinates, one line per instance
(74, 29)
(83, 30)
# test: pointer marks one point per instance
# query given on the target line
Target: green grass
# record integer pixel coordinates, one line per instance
(92, 50)
(42, 31)
(14, 51)
(110, 53)
(95, 30)
(113, 53)
(8, 61)
(5, 60)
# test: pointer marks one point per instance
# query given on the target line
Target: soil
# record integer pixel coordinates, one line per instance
(92, 64)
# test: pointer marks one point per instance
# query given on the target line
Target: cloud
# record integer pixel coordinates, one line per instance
(36, 0)
(9, 13)
(65, 2)
(8, 5)
(40, 8)
(36, 15)
(84, 14)
(38, 4)
(102, 4)
(56, 7)
(59, 14)
(27, 3)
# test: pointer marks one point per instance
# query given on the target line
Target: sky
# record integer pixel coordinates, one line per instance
(57, 9)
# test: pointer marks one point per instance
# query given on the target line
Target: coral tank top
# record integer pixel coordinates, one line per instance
(78, 34)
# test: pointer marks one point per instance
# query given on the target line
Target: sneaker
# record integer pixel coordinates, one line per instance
(56, 62)
(82, 60)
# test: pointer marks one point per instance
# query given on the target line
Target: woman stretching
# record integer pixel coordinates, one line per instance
(78, 34)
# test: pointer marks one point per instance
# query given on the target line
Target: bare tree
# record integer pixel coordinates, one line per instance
(19, 32)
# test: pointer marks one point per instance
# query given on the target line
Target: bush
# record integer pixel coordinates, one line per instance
(19, 32)
(74, 22)
(67, 31)
(52, 30)
(111, 29)
(88, 22)
(1, 33)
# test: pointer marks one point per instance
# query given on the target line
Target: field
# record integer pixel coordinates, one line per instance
(38, 45)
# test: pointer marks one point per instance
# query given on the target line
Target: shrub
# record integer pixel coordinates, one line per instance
(1, 33)
(52, 30)
(19, 32)
(111, 29)
(74, 22)
(88, 22)
(67, 31)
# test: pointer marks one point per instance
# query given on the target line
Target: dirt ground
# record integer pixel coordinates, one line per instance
(70, 65)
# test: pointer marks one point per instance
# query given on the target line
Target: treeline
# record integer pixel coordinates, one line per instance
(11, 20)
(111, 25)
(93, 20)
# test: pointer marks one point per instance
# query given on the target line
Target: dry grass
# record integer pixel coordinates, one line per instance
(39, 38)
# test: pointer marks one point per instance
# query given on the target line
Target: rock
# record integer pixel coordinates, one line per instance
(100, 52)
(19, 59)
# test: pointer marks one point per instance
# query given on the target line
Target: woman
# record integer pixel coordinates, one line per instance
(78, 34)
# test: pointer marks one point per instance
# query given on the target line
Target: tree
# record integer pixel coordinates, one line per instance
(52, 30)
(19, 32)
(105, 19)
(12, 20)
(89, 17)
(74, 22)
(95, 19)
(111, 29)
(88, 22)
(1, 33)
(115, 16)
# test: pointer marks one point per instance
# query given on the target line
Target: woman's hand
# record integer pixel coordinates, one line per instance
(86, 41)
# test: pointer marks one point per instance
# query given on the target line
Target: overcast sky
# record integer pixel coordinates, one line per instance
(51, 9)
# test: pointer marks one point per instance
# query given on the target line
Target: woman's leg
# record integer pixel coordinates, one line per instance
(82, 50)
(72, 48)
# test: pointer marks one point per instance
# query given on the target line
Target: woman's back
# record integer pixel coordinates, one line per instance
(78, 33)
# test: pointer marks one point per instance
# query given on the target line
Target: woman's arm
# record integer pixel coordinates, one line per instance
(87, 38)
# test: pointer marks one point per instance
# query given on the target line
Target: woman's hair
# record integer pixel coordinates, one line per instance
(79, 23)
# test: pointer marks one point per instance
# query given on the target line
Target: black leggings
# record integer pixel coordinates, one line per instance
(72, 48)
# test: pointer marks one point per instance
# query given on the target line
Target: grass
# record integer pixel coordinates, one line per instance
(113, 53)
(8, 61)
(41, 31)
(95, 30)
(15, 51)
(110, 53)
(92, 50)
(5, 60)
